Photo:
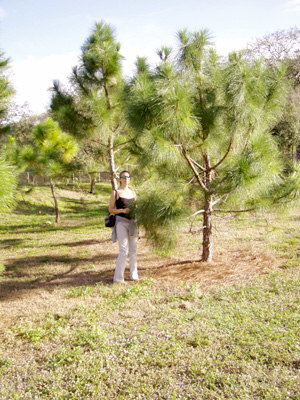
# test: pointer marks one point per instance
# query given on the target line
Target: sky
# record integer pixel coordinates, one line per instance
(43, 38)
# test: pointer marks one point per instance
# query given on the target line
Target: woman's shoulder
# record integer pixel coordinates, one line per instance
(114, 194)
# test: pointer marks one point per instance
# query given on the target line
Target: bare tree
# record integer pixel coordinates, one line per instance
(282, 45)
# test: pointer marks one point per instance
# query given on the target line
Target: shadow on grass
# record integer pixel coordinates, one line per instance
(18, 276)
(27, 208)
(20, 265)
(16, 228)
(8, 243)
(41, 228)
(68, 207)
(80, 243)
(90, 209)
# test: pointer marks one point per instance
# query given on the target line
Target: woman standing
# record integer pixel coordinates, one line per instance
(125, 229)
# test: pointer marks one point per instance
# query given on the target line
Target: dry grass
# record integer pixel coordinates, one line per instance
(57, 286)
(42, 261)
(46, 264)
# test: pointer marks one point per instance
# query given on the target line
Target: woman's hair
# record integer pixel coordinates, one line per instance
(123, 172)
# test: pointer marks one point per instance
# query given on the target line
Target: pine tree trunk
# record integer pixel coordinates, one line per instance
(207, 251)
(112, 163)
(55, 200)
(294, 154)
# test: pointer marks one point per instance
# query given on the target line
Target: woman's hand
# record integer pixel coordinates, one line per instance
(126, 210)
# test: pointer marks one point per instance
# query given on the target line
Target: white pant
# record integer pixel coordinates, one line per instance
(127, 244)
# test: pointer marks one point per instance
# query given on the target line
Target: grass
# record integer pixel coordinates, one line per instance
(68, 333)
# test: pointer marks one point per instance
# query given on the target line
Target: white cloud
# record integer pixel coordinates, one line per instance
(293, 9)
(292, 2)
(2, 13)
(226, 45)
(292, 6)
(134, 50)
(33, 77)
(150, 29)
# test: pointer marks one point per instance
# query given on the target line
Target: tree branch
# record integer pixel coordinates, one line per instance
(219, 199)
(186, 156)
(119, 147)
(117, 127)
(234, 211)
(197, 164)
(224, 157)
(197, 213)
(98, 142)
(202, 211)
(121, 144)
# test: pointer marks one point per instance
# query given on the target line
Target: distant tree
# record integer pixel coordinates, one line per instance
(288, 128)
(8, 185)
(283, 46)
(294, 69)
(93, 109)
(203, 128)
(21, 123)
(6, 92)
(8, 180)
(91, 158)
(18, 134)
(50, 154)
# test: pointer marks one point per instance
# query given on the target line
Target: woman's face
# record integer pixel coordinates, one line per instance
(124, 178)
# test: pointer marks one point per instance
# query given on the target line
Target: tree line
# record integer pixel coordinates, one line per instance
(204, 134)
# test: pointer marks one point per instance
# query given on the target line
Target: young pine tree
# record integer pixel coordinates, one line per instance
(93, 109)
(50, 154)
(205, 128)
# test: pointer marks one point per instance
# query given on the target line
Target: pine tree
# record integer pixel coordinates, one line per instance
(283, 46)
(8, 181)
(205, 126)
(93, 110)
(50, 154)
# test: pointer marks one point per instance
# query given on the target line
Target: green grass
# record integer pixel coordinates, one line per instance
(89, 339)
(239, 343)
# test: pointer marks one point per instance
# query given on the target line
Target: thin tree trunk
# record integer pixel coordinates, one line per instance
(111, 147)
(112, 162)
(207, 250)
(294, 154)
(93, 185)
(55, 200)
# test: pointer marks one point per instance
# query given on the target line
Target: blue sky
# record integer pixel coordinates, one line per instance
(43, 38)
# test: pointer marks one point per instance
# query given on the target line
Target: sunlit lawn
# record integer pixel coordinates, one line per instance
(67, 333)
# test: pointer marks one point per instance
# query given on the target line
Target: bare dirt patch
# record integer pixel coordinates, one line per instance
(229, 266)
